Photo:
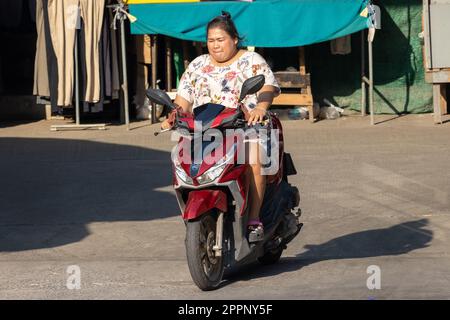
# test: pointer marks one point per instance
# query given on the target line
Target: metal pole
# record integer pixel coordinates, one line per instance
(363, 74)
(154, 63)
(77, 91)
(372, 121)
(124, 70)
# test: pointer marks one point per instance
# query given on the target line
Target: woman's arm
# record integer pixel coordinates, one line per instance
(183, 103)
(265, 99)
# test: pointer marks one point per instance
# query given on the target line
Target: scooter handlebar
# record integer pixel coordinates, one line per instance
(162, 131)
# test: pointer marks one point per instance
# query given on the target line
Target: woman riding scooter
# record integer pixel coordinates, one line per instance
(217, 77)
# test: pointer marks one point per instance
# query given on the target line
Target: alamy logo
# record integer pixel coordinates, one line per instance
(74, 279)
(374, 280)
(213, 146)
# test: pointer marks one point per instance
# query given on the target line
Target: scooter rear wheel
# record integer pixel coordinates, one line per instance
(205, 267)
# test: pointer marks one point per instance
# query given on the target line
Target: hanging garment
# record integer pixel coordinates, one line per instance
(92, 15)
(52, 64)
(82, 65)
(104, 51)
(106, 56)
(62, 18)
(98, 106)
(342, 45)
(41, 85)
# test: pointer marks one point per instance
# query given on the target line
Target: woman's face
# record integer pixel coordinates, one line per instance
(221, 46)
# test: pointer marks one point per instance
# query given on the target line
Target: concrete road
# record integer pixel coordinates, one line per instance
(375, 203)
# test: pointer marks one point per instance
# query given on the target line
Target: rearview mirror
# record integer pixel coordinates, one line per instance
(159, 96)
(252, 85)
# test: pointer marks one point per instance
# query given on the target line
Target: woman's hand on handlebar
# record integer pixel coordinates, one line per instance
(256, 115)
(166, 124)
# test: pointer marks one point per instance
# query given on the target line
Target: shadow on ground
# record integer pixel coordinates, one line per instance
(7, 124)
(396, 240)
(51, 189)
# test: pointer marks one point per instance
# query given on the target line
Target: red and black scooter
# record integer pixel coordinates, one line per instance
(213, 192)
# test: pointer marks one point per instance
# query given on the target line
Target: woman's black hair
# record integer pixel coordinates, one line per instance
(225, 23)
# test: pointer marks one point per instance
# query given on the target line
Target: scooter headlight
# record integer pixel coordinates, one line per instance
(215, 171)
(181, 174)
(212, 173)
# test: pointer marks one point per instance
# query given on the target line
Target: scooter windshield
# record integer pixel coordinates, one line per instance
(207, 113)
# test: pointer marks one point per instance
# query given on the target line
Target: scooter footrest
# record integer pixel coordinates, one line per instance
(256, 235)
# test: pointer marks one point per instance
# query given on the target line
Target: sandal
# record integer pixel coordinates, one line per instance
(255, 230)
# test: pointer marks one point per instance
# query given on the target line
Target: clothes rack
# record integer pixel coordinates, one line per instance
(120, 14)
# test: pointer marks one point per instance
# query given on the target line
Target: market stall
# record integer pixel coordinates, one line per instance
(262, 23)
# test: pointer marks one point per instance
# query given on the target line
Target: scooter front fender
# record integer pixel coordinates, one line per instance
(202, 201)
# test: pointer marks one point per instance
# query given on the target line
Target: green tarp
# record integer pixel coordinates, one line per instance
(262, 23)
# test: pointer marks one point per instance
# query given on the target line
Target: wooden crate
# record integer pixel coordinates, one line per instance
(296, 80)
(292, 79)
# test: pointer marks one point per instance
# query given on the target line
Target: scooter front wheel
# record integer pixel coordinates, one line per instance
(205, 267)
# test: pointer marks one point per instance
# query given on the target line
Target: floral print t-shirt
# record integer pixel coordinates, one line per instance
(203, 82)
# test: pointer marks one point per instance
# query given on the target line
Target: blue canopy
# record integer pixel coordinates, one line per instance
(262, 23)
